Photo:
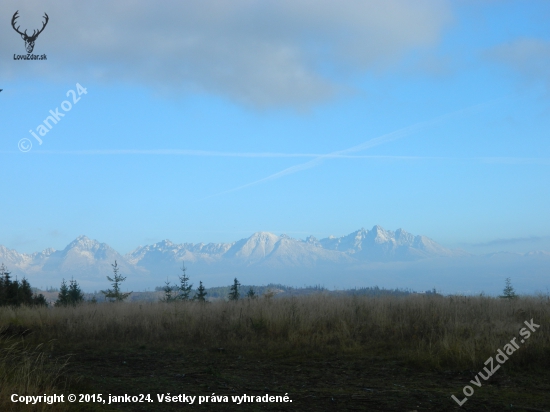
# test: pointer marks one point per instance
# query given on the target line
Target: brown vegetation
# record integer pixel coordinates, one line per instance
(434, 331)
(29, 370)
(382, 353)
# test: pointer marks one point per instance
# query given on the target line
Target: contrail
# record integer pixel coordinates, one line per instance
(181, 152)
(514, 160)
(320, 159)
(398, 134)
(177, 152)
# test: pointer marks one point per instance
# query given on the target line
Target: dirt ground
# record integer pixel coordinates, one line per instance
(318, 383)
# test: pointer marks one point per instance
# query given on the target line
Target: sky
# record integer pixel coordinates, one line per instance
(207, 121)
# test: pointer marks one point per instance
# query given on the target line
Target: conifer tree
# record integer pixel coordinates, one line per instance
(24, 293)
(114, 294)
(251, 294)
(75, 293)
(15, 293)
(63, 296)
(39, 300)
(168, 292)
(234, 290)
(8, 288)
(508, 292)
(201, 293)
(185, 286)
(5, 282)
(12, 287)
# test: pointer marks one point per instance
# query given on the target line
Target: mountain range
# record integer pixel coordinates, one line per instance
(358, 259)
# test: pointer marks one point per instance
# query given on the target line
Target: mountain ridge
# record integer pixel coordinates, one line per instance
(363, 257)
(375, 245)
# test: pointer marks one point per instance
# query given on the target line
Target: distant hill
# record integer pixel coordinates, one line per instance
(362, 258)
(376, 245)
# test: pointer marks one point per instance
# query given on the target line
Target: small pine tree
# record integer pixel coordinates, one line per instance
(63, 296)
(508, 292)
(184, 287)
(8, 288)
(12, 289)
(251, 294)
(201, 293)
(168, 292)
(4, 283)
(39, 300)
(76, 296)
(114, 294)
(24, 293)
(234, 290)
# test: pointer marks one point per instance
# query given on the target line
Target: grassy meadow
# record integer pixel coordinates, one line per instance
(351, 349)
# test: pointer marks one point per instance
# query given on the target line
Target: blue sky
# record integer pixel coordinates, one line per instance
(193, 110)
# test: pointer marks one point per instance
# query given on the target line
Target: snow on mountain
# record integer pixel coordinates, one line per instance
(263, 256)
(84, 258)
(285, 251)
(347, 244)
(166, 251)
(12, 258)
(380, 245)
(267, 250)
(84, 255)
(538, 253)
(362, 258)
(254, 249)
(260, 248)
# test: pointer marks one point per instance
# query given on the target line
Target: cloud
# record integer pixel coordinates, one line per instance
(529, 57)
(209, 153)
(262, 53)
(511, 241)
(320, 156)
(55, 233)
(515, 160)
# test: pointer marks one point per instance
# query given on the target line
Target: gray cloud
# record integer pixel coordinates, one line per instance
(261, 53)
(512, 245)
(529, 57)
(512, 241)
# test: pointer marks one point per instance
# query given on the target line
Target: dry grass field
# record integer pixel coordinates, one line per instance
(327, 352)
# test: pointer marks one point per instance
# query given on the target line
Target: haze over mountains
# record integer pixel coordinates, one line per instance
(362, 258)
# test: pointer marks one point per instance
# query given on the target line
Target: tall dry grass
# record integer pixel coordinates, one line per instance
(29, 370)
(437, 331)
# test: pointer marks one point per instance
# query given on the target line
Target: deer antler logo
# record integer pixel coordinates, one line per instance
(29, 40)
